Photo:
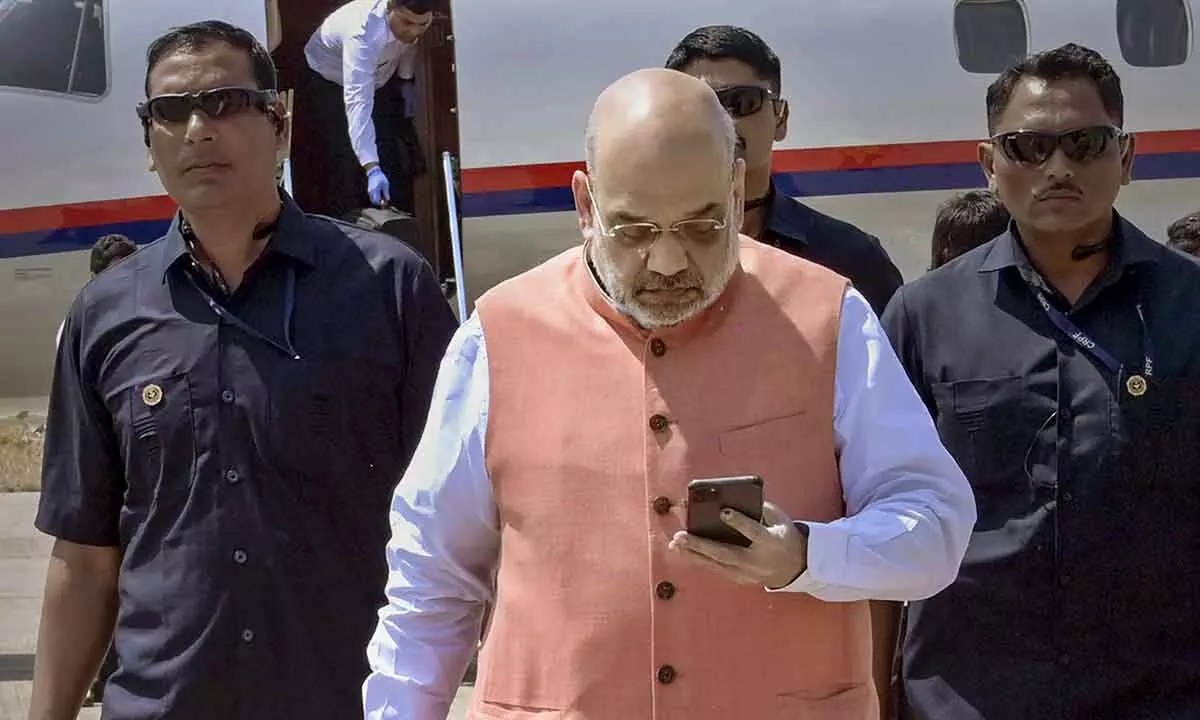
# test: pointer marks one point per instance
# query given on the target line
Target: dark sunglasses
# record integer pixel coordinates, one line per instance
(216, 104)
(1035, 148)
(743, 100)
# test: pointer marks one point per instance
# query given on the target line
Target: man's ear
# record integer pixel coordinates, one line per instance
(987, 161)
(1128, 150)
(584, 209)
(781, 120)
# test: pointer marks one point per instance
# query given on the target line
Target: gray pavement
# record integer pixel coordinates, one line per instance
(23, 554)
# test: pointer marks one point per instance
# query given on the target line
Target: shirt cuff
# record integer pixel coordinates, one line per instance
(826, 551)
(367, 156)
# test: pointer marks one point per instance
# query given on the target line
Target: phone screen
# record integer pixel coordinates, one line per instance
(707, 497)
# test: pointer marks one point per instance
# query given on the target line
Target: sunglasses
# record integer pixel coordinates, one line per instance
(744, 100)
(216, 104)
(1028, 147)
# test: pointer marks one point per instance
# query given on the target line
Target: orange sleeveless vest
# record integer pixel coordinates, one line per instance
(595, 429)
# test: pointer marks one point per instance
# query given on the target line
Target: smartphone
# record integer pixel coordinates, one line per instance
(707, 497)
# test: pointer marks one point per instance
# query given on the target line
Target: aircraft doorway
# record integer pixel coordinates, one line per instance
(436, 122)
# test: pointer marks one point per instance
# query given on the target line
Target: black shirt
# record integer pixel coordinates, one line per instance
(242, 452)
(1080, 587)
(832, 243)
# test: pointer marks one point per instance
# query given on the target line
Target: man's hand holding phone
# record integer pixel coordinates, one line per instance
(775, 552)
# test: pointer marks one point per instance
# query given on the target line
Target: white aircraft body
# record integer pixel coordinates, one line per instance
(887, 107)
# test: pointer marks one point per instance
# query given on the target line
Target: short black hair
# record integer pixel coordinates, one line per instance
(1068, 62)
(420, 7)
(964, 222)
(727, 42)
(109, 249)
(1184, 234)
(200, 35)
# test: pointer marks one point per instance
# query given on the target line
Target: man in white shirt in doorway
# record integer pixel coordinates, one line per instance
(360, 89)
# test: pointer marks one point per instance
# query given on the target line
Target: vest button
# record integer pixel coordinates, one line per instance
(661, 505)
(666, 674)
(658, 422)
(658, 348)
(665, 590)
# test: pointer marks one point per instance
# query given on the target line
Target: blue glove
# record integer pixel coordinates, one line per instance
(378, 187)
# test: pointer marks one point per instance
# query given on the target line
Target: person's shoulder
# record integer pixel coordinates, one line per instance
(338, 240)
(1185, 266)
(957, 279)
(146, 264)
(847, 235)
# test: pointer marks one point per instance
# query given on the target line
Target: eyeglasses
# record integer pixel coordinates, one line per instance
(1029, 147)
(641, 235)
(216, 104)
(744, 100)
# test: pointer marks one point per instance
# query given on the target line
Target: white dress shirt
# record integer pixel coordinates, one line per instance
(909, 514)
(356, 49)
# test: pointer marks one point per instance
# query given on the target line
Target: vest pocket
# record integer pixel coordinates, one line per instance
(500, 711)
(847, 703)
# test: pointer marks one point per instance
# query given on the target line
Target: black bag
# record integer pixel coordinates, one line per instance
(397, 223)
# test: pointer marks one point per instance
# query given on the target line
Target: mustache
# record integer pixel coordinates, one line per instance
(685, 280)
(1058, 188)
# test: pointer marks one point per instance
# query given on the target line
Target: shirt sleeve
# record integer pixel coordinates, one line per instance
(360, 55)
(909, 508)
(443, 552)
(82, 478)
(429, 323)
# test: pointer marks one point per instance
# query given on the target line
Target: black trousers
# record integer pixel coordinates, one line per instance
(345, 182)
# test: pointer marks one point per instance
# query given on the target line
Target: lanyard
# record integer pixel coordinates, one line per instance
(289, 305)
(1135, 384)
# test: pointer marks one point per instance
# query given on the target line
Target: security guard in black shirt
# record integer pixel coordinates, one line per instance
(1062, 364)
(745, 73)
(232, 407)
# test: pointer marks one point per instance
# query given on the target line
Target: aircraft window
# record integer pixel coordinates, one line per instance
(990, 35)
(1153, 33)
(54, 45)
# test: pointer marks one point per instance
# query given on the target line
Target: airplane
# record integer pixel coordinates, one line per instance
(887, 103)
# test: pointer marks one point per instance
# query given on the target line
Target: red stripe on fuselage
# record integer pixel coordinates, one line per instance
(554, 175)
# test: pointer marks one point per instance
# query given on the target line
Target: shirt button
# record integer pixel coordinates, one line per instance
(666, 674)
(665, 590)
(658, 348)
(247, 635)
(232, 477)
(1064, 659)
(239, 557)
(658, 423)
(661, 505)
(226, 396)
(1065, 580)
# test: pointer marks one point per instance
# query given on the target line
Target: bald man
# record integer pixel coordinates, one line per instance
(578, 401)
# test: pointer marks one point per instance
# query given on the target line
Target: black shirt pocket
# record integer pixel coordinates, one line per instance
(160, 441)
(1001, 433)
(1160, 444)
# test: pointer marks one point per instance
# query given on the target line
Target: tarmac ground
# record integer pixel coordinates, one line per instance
(23, 555)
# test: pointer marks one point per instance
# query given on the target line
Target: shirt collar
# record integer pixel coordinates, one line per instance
(290, 238)
(1130, 246)
(788, 217)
